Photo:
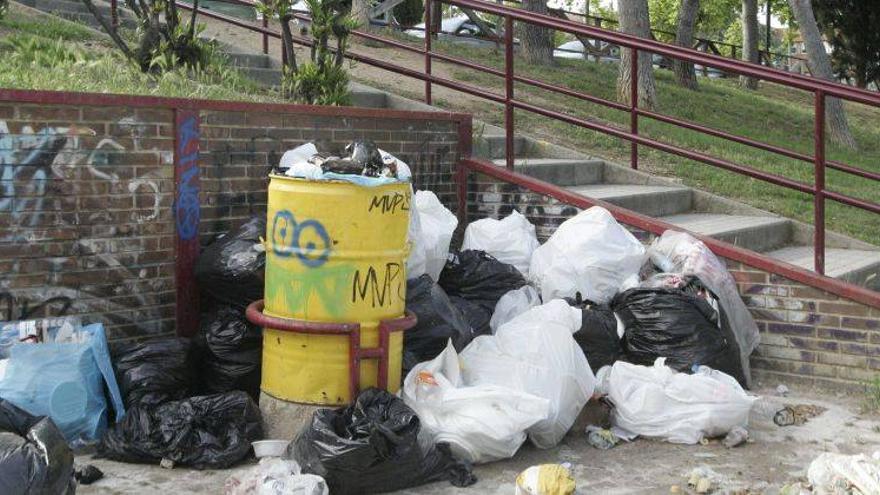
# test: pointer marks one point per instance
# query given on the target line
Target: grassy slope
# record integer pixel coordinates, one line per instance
(773, 114)
(44, 52)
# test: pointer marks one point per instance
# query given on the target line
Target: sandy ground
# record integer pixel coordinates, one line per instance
(774, 456)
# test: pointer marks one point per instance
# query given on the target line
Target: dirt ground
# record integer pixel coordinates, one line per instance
(773, 457)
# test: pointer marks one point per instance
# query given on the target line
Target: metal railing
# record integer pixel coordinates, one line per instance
(820, 89)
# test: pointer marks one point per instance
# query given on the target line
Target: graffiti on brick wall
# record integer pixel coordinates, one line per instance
(186, 205)
(41, 171)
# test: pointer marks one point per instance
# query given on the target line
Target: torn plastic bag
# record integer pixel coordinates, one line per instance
(208, 431)
(511, 240)
(474, 314)
(479, 278)
(658, 402)
(438, 322)
(599, 335)
(481, 423)
(859, 474)
(275, 476)
(513, 304)
(535, 353)
(372, 446)
(34, 456)
(590, 254)
(436, 224)
(678, 325)
(681, 253)
(230, 269)
(65, 381)
(230, 352)
(156, 371)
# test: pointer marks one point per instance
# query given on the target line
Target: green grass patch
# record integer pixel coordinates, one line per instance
(48, 27)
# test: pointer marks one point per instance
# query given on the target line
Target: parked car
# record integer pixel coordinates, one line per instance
(575, 50)
(459, 29)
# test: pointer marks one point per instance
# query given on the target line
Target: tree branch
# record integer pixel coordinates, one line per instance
(110, 31)
(192, 20)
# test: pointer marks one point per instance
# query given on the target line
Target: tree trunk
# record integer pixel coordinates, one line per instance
(750, 40)
(684, 36)
(820, 66)
(634, 20)
(114, 35)
(360, 10)
(536, 42)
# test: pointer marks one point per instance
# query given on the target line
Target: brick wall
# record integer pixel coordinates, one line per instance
(87, 224)
(809, 337)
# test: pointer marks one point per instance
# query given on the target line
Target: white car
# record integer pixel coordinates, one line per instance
(459, 29)
(575, 49)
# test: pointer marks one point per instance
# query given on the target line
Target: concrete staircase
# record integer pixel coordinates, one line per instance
(697, 211)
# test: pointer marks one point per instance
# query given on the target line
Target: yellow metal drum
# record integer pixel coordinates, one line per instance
(335, 252)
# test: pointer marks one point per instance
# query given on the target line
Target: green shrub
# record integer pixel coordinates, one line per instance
(4, 8)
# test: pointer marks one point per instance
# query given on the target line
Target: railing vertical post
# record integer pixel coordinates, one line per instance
(634, 105)
(114, 14)
(265, 35)
(429, 23)
(461, 183)
(508, 91)
(819, 186)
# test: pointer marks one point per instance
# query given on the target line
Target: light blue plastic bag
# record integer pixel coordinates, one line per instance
(65, 381)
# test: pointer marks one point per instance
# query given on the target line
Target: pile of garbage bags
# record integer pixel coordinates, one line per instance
(364, 164)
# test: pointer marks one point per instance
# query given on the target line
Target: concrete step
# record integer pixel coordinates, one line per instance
(367, 98)
(856, 266)
(77, 12)
(751, 232)
(655, 201)
(559, 171)
(493, 147)
(262, 75)
(249, 60)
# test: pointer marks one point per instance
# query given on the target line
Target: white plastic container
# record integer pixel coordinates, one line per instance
(270, 448)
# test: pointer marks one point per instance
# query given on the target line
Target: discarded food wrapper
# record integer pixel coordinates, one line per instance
(851, 474)
(796, 414)
(606, 438)
(275, 476)
(511, 240)
(480, 423)
(365, 165)
(545, 479)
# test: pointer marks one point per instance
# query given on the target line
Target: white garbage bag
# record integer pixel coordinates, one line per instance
(860, 472)
(513, 304)
(275, 476)
(511, 240)
(535, 353)
(679, 252)
(659, 402)
(416, 261)
(436, 226)
(481, 423)
(589, 253)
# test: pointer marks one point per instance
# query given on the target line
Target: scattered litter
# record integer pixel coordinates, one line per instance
(210, 431)
(365, 165)
(436, 224)
(438, 322)
(736, 437)
(372, 446)
(231, 269)
(513, 304)
(230, 351)
(681, 253)
(274, 476)
(850, 474)
(480, 423)
(796, 488)
(270, 448)
(599, 335)
(601, 438)
(87, 474)
(511, 240)
(545, 479)
(535, 353)
(703, 479)
(166, 463)
(656, 401)
(64, 377)
(590, 254)
(479, 278)
(150, 373)
(797, 414)
(34, 456)
(782, 390)
(678, 324)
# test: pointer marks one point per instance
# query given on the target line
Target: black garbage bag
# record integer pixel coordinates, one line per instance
(34, 456)
(678, 325)
(438, 321)
(230, 269)
(479, 278)
(229, 352)
(372, 447)
(204, 432)
(475, 314)
(597, 336)
(150, 373)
